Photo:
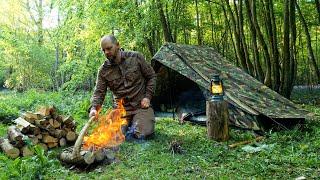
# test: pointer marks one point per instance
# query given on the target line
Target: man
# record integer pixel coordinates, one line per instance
(130, 78)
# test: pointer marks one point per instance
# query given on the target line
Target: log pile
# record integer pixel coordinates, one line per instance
(45, 128)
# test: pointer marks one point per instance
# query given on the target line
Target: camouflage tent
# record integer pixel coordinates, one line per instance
(184, 74)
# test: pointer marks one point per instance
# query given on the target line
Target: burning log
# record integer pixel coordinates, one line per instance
(88, 157)
(8, 149)
(74, 156)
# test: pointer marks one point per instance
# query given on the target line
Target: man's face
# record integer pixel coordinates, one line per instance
(109, 49)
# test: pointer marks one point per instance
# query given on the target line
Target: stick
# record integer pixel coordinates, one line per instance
(78, 143)
(259, 138)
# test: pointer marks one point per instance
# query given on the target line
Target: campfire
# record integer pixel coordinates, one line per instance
(98, 145)
(108, 133)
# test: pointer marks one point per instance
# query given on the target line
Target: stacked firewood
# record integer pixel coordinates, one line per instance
(45, 128)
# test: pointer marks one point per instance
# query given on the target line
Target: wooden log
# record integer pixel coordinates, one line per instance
(59, 118)
(31, 117)
(34, 139)
(62, 142)
(35, 130)
(44, 146)
(100, 155)
(15, 136)
(71, 136)
(26, 151)
(71, 125)
(42, 123)
(67, 120)
(54, 123)
(109, 154)
(39, 136)
(49, 139)
(259, 138)
(67, 129)
(51, 130)
(66, 157)
(89, 157)
(46, 110)
(8, 149)
(59, 133)
(218, 120)
(73, 155)
(52, 144)
(23, 125)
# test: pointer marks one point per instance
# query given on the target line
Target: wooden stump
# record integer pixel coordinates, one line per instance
(217, 120)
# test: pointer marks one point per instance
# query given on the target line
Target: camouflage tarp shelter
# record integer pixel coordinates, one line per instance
(184, 73)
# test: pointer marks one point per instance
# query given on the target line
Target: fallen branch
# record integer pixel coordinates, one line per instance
(259, 138)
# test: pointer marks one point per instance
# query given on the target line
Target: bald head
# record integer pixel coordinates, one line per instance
(110, 47)
(110, 38)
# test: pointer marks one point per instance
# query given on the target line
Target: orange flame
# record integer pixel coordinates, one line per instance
(108, 132)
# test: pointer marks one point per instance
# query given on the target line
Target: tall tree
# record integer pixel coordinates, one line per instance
(259, 74)
(238, 46)
(164, 22)
(308, 41)
(317, 3)
(289, 51)
(262, 42)
(273, 45)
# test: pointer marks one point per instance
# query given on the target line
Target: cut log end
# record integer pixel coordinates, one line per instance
(8, 149)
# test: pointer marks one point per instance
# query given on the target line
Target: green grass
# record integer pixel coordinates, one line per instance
(293, 154)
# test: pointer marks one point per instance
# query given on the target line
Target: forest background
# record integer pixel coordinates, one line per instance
(50, 54)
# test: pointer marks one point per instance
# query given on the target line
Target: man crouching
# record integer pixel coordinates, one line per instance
(130, 78)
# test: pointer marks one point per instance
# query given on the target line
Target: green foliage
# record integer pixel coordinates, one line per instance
(294, 152)
(27, 167)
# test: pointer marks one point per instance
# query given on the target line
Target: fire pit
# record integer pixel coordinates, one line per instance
(101, 144)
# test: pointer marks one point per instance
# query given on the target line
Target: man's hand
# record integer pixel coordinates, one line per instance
(92, 113)
(145, 103)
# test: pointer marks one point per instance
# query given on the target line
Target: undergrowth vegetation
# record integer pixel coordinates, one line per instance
(283, 154)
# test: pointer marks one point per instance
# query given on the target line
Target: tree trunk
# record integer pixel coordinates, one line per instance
(267, 79)
(308, 38)
(243, 39)
(239, 52)
(286, 65)
(211, 23)
(317, 3)
(198, 24)
(258, 70)
(164, 22)
(272, 37)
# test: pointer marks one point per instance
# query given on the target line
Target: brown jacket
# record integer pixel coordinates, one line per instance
(132, 79)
